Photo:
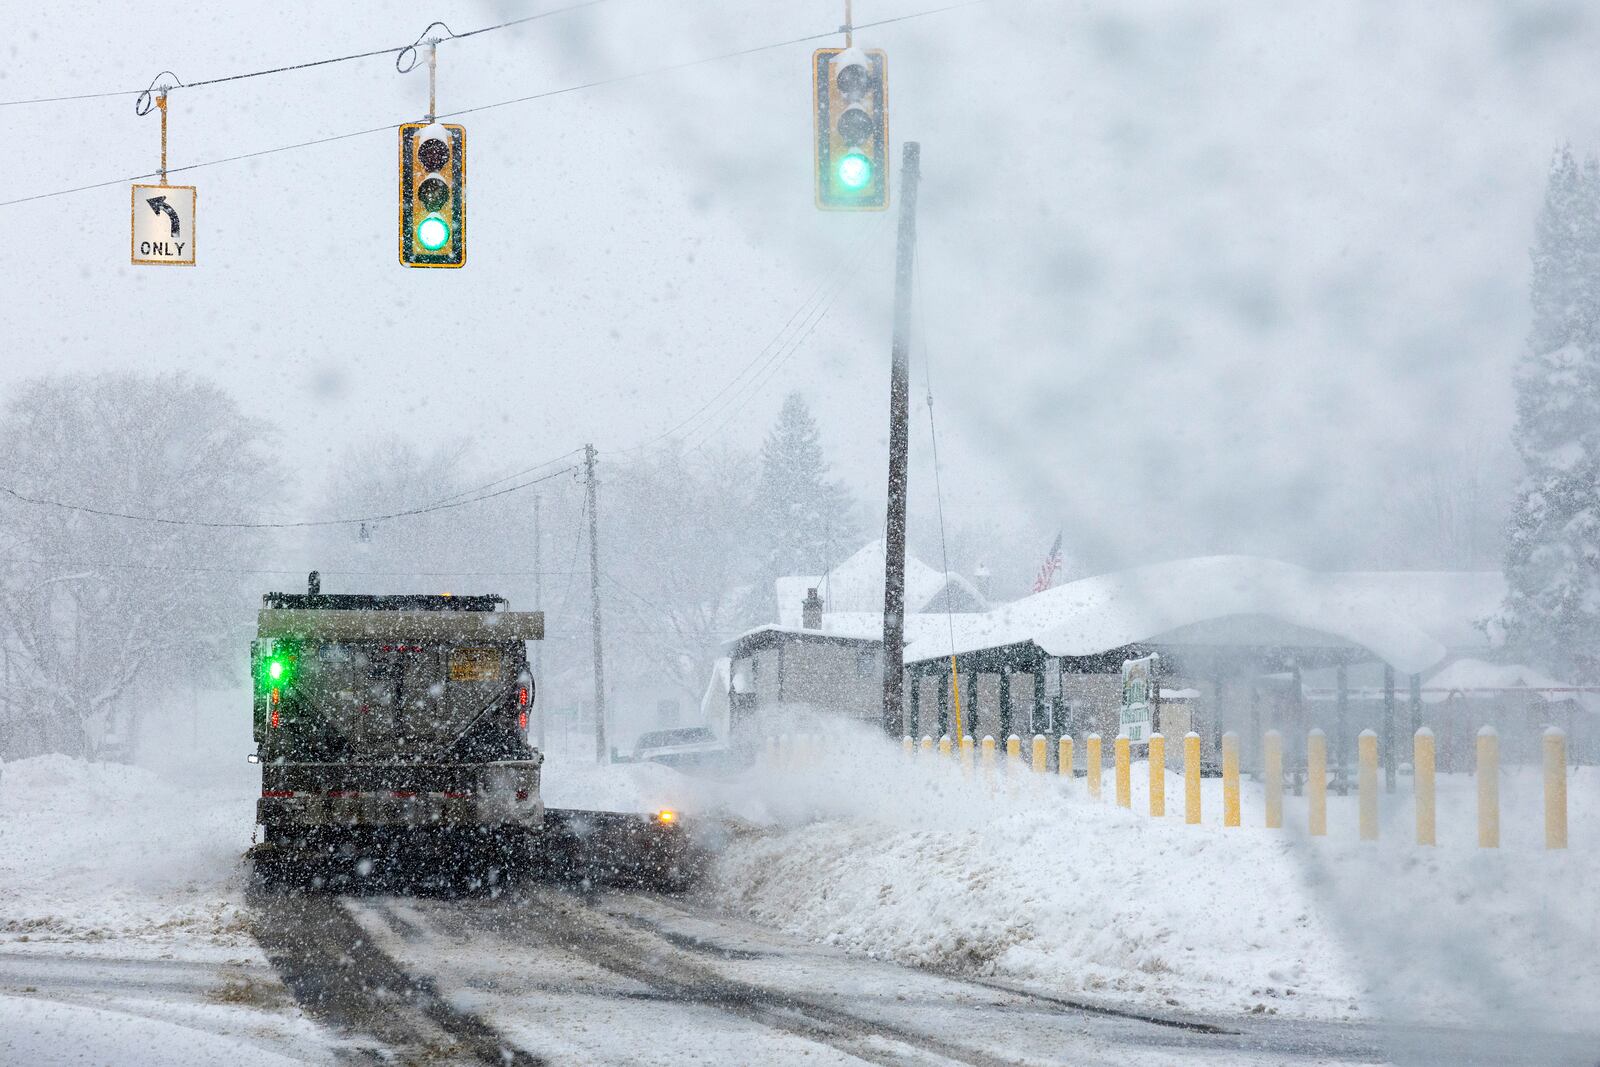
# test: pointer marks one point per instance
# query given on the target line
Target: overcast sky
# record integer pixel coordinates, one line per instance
(1193, 276)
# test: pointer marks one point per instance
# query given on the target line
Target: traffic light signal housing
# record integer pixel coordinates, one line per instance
(433, 187)
(851, 89)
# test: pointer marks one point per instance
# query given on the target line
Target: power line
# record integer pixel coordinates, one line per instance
(808, 38)
(938, 486)
(486, 107)
(776, 362)
(577, 544)
(509, 477)
(210, 524)
(171, 568)
(397, 51)
(763, 357)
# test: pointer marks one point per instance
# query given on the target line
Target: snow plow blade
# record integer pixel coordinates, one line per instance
(652, 850)
(655, 850)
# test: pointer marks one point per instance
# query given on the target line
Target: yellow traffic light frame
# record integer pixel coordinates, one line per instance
(825, 100)
(457, 215)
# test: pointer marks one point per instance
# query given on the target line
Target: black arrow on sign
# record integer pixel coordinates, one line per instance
(158, 204)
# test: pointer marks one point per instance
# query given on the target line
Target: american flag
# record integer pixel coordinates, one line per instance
(1047, 570)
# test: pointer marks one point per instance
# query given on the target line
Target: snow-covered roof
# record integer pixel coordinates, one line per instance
(1093, 615)
(1409, 619)
(856, 586)
(929, 629)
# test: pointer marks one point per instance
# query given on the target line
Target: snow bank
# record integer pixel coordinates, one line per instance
(1032, 881)
(99, 851)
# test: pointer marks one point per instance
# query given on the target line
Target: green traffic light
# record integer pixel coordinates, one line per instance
(433, 233)
(855, 171)
(275, 669)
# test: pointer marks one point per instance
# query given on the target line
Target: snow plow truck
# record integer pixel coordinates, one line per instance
(392, 734)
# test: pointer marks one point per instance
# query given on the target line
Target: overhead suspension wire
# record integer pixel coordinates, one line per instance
(509, 477)
(143, 97)
(807, 39)
(218, 525)
(938, 490)
(173, 568)
(572, 566)
(598, 83)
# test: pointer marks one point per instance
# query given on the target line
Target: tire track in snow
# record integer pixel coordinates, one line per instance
(566, 921)
(1046, 1001)
(340, 977)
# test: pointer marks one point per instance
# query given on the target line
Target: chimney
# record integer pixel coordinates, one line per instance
(811, 611)
(981, 579)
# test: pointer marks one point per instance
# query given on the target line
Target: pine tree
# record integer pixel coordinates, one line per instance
(1552, 611)
(804, 519)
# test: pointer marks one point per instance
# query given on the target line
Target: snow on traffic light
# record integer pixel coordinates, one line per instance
(433, 184)
(852, 128)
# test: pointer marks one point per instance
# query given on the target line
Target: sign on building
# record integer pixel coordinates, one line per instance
(1139, 698)
(163, 224)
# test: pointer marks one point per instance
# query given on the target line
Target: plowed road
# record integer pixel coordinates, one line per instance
(545, 974)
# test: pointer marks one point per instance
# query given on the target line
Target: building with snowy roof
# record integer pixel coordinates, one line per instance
(1257, 643)
(855, 586)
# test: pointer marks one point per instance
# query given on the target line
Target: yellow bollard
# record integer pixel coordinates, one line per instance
(1422, 782)
(1191, 778)
(1367, 783)
(1317, 783)
(988, 758)
(1488, 788)
(1124, 787)
(907, 745)
(1093, 763)
(966, 753)
(927, 745)
(1158, 775)
(1230, 779)
(1064, 757)
(1555, 788)
(1041, 755)
(944, 746)
(1272, 759)
(1013, 752)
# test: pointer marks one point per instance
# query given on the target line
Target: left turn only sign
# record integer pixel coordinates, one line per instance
(163, 224)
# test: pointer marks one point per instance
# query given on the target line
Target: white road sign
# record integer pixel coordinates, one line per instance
(163, 224)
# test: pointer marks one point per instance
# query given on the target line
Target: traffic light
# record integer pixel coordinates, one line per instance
(433, 186)
(852, 97)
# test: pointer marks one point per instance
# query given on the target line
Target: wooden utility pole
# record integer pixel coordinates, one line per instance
(894, 540)
(538, 652)
(593, 498)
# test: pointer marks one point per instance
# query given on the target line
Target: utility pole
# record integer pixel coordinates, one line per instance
(591, 492)
(538, 651)
(894, 542)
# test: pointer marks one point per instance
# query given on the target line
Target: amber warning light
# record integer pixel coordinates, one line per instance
(666, 815)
